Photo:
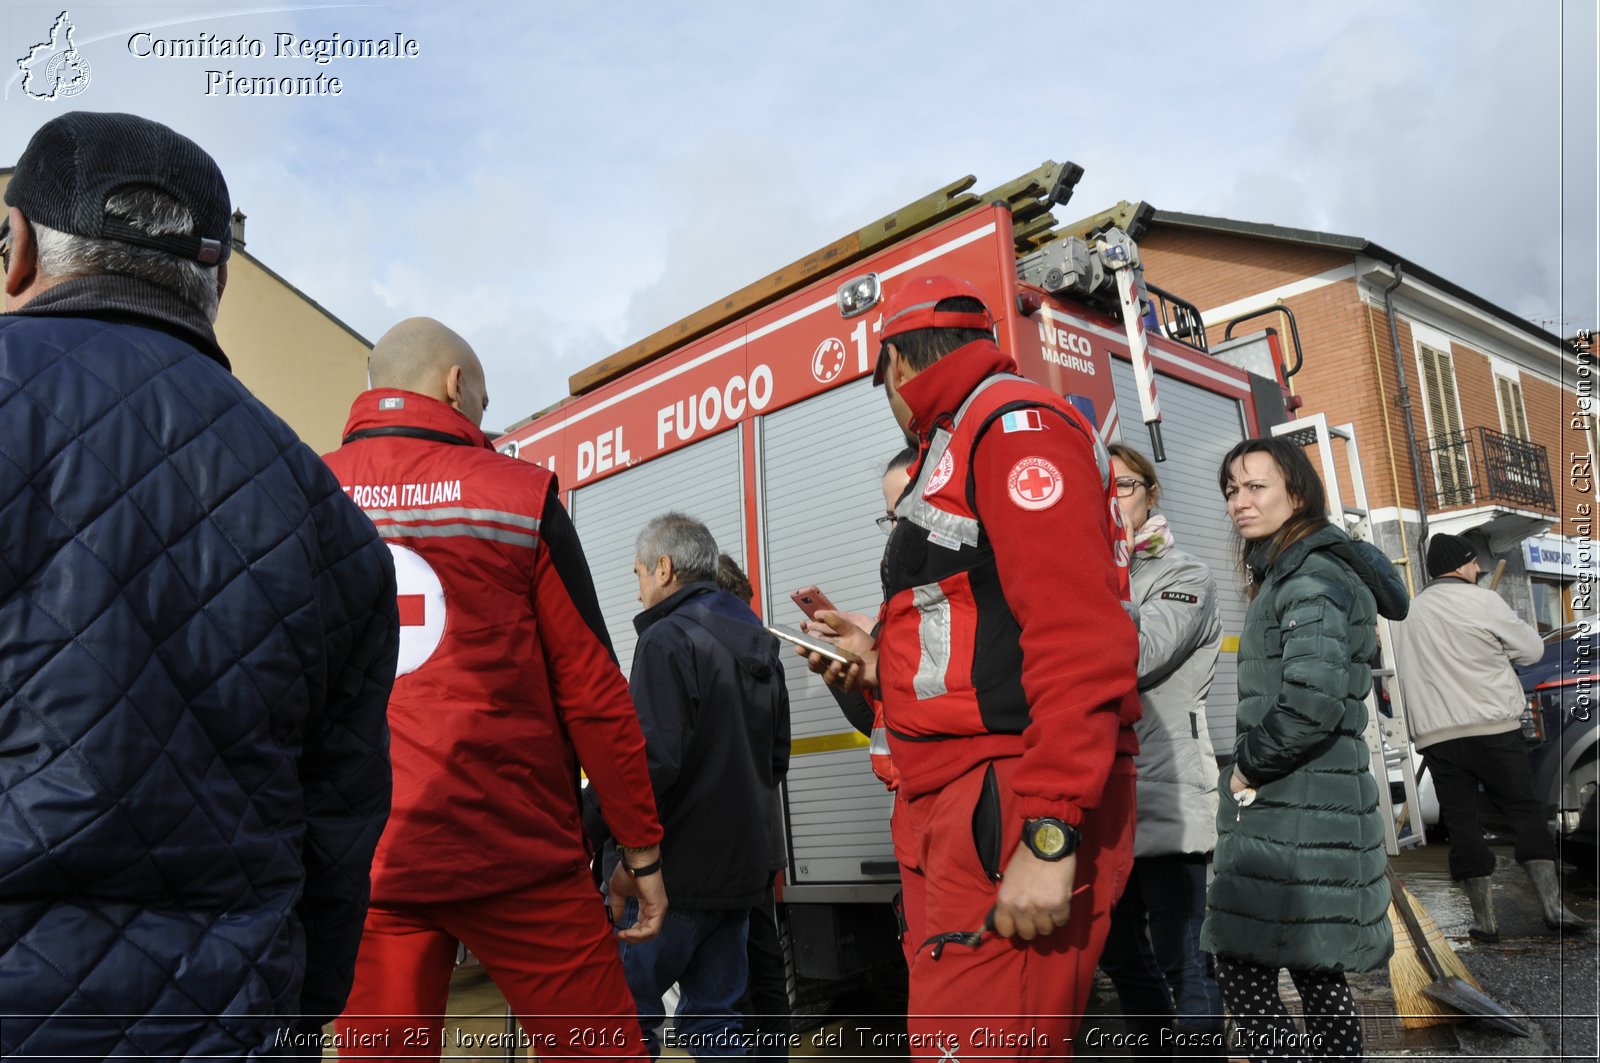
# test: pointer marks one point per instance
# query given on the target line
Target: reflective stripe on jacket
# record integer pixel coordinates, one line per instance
(878, 747)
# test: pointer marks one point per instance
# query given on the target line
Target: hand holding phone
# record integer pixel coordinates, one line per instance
(813, 644)
(811, 601)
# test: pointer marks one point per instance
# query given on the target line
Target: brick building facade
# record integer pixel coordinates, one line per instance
(1500, 409)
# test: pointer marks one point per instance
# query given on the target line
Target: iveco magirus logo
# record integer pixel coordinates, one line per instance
(55, 68)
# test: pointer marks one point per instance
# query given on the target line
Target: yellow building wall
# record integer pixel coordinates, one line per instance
(303, 363)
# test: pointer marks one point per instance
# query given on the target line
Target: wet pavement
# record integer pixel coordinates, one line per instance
(1549, 978)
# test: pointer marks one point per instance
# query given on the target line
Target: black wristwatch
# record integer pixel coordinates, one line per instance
(1050, 839)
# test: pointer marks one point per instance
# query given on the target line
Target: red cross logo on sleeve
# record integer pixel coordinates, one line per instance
(1035, 483)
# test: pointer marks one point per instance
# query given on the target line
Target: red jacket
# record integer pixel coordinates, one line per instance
(1011, 560)
(507, 681)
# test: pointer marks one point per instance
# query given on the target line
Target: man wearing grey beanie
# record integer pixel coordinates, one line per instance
(1455, 651)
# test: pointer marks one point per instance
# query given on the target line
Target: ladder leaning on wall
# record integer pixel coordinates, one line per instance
(1386, 734)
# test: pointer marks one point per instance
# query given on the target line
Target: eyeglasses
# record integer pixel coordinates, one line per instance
(5, 244)
(886, 523)
(1127, 486)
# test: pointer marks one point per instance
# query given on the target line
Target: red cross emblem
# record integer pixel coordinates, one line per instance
(1035, 483)
(420, 598)
(413, 609)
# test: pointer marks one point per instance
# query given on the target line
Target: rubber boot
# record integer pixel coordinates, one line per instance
(1484, 928)
(1548, 887)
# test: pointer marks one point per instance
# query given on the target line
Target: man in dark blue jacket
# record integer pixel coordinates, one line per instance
(197, 637)
(708, 685)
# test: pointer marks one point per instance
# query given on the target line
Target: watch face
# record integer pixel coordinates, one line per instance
(1049, 839)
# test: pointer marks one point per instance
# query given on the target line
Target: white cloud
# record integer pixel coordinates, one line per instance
(557, 181)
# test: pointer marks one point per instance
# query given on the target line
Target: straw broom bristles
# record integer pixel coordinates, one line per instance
(1408, 974)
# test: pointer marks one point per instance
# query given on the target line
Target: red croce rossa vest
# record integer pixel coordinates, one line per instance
(506, 677)
(950, 647)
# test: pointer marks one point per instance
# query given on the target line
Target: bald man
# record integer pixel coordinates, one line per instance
(506, 686)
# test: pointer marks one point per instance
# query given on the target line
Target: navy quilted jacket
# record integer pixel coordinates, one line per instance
(197, 639)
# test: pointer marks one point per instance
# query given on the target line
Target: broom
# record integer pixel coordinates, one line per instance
(1408, 974)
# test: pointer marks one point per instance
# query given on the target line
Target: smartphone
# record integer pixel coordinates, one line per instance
(811, 600)
(813, 644)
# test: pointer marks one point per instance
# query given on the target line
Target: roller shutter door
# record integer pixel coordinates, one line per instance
(701, 480)
(822, 464)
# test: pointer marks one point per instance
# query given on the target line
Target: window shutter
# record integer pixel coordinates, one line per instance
(1452, 469)
(1513, 414)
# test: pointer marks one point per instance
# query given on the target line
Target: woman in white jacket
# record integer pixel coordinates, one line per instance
(1167, 986)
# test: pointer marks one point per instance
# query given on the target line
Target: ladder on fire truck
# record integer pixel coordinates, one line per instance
(1387, 736)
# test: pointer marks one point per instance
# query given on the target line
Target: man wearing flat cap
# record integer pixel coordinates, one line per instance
(1454, 656)
(197, 636)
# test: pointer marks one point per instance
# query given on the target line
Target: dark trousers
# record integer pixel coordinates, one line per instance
(766, 1000)
(1500, 763)
(1152, 953)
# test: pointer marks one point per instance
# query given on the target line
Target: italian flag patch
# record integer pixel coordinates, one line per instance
(1022, 421)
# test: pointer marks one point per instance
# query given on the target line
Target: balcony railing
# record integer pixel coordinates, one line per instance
(1480, 467)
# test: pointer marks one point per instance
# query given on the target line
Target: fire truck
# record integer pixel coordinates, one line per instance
(758, 417)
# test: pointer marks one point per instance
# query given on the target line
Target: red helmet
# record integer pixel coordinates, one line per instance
(911, 307)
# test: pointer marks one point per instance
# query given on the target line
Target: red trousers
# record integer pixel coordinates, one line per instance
(1006, 998)
(549, 949)
(913, 887)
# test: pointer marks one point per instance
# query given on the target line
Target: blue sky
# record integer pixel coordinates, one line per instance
(556, 181)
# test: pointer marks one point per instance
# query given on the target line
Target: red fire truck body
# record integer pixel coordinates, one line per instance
(769, 431)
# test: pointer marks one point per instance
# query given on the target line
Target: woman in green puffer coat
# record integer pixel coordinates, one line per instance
(1299, 861)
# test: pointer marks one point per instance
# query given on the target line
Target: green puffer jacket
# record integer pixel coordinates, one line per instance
(1299, 873)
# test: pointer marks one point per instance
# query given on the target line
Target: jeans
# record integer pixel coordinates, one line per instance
(1500, 763)
(1161, 974)
(703, 950)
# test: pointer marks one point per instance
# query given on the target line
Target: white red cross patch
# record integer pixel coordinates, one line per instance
(422, 608)
(1035, 483)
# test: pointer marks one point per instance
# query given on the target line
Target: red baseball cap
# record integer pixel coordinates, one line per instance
(911, 307)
